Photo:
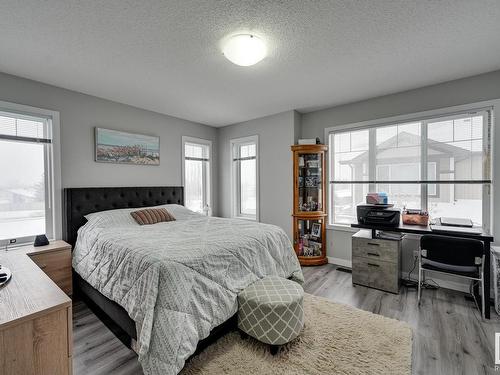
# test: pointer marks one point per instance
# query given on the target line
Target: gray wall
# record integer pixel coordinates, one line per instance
(276, 134)
(462, 91)
(80, 113)
(468, 90)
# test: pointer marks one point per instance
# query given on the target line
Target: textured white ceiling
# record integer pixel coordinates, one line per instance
(165, 55)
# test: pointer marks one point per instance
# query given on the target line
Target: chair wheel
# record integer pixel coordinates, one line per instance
(274, 349)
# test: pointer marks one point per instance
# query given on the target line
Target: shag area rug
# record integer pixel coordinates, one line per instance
(337, 339)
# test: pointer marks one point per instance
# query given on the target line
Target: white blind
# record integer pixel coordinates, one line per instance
(407, 153)
(21, 127)
(196, 151)
(246, 151)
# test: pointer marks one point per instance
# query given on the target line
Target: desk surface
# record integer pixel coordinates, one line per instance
(419, 229)
(30, 292)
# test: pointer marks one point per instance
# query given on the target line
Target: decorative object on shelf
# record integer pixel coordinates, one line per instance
(313, 164)
(41, 240)
(316, 230)
(309, 215)
(415, 217)
(113, 146)
(309, 141)
(376, 198)
(311, 182)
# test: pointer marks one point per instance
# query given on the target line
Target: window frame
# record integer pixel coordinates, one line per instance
(426, 116)
(208, 191)
(236, 180)
(52, 162)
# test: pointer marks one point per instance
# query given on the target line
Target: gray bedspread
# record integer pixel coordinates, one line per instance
(179, 280)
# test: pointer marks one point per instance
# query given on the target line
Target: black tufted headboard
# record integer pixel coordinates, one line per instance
(78, 202)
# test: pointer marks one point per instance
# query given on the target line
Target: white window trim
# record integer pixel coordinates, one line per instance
(493, 105)
(234, 183)
(206, 142)
(55, 162)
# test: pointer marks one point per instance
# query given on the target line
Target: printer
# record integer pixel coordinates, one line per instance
(378, 214)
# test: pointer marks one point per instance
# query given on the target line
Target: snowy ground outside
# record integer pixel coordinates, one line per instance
(15, 224)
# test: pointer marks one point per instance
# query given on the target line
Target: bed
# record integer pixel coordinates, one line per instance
(170, 287)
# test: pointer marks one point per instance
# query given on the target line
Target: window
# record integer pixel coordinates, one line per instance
(245, 173)
(440, 165)
(197, 155)
(27, 203)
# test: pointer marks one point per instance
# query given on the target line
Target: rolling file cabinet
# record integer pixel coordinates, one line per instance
(376, 263)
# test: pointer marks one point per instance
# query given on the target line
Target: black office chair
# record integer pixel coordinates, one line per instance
(460, 257)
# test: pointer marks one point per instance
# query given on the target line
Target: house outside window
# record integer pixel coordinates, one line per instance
(438, 164)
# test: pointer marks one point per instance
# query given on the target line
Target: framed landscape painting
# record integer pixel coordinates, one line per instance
(113, 146)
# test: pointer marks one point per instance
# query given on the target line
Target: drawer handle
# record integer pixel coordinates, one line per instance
(373, 244)
(373, 254)
(373, 265)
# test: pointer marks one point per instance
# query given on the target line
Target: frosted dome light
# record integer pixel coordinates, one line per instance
(244, 49)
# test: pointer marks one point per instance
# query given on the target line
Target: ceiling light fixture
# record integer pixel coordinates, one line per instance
(244, 49)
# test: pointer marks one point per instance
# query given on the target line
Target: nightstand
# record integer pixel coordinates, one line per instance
(55, 260)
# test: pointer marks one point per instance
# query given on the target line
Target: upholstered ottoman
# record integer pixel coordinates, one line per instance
(271, 311)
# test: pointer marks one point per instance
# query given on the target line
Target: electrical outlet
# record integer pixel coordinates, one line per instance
(11, 241)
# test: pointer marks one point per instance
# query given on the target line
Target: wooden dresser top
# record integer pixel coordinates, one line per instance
(30, 292)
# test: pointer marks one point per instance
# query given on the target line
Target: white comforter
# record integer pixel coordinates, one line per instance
(178, 280)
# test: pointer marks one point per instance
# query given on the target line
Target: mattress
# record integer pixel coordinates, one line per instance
(178, 280)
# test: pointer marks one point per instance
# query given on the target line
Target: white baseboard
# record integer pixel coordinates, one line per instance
(448, 284)
(340, 262)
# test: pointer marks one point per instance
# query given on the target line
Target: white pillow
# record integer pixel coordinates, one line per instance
(181, 212)
(122, 217)
(116, 218)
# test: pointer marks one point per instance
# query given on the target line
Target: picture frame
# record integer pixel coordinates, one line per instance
(316, 248)
(316, 230)
(119, 147)
(313, 164)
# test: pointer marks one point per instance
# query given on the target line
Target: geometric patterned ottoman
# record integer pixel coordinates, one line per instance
(271, 311)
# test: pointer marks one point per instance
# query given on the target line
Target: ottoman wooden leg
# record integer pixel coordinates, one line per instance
(274, 349)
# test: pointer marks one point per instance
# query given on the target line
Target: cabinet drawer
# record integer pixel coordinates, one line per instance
(385, 250)
(375, 274)
(57, 266)
(38, 346)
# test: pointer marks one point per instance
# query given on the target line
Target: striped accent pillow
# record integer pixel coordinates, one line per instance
(152, 216)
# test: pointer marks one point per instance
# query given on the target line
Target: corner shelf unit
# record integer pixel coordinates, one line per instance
(309, 208)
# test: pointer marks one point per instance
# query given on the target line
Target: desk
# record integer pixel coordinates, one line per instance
(418, 229)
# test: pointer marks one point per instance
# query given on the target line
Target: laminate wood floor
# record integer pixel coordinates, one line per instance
(449, 336)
